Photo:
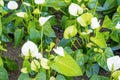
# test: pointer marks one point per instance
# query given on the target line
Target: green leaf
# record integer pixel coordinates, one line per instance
(64, 42)
(115, 36)
(97, 77)
(60, 77)
(1, 62)
(34, 35)
(48, 31)
(11, 64)
(66, 65)
(24, 76)
(92, 69)
(6, 38)
(107, 23)
(99, 40)
(3, 73)
(0, 27)
(18, 36)
(41, 76)
(116, 74)
(80, 57)
(57, 4)
(26, 64)
(101, 58)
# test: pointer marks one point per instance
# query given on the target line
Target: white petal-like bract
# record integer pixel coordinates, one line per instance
(22, 14)
(12, 5)
(1, 3)
(39, 1)
(94, 23)
(113, 63)
(29, 49)
(59, 51)
(117, 25)
(39, 56)
(43, 20)
(44, 63)
(27, 4)
(75, 9)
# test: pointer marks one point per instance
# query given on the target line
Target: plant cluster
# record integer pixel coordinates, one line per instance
(90, 38)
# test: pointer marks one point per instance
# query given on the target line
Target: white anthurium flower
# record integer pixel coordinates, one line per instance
(39, 56)
(27, 4)
(22, 14)
(35, 65)
(29, 49)
(43, 20)
(117, 25)
(44, 63)
(59, 51)
(113, 63)
(39, 1)
(75, 9)
(94, 23)
(12, 5)
(24, 70)
(52, 78)
(1, 2)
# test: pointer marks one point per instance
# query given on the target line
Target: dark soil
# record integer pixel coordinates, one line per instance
(13, 54)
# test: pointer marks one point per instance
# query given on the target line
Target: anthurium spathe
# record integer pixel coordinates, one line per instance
(22, 14)
(75, 9)
(39, 1)
(43, 20)
(12, 5)
(44, 63)
(117, 25)
(35, 65)
(113, 63)
(29, 49)
(59, 51)
(1, 3)
(94, 23)
(27, 4)
(70, 32)
(85, 19)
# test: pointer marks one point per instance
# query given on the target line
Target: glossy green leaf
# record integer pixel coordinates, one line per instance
(66, 65)
(99, 40)
(60, 77)
(92, 69)
(48, 31)
(24, 77)
(41, 76)
(18, 36)
(115, 36)
(3, 73)
(97, 77)
(101, 58)
(1, 62)
(11, 64)
(57, 4)
(6, 38)
(80, 57)
(26, 64)
(0, 27)
(107, 23)
(34, 35)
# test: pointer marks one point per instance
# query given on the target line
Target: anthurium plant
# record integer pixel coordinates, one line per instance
(91, 36)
